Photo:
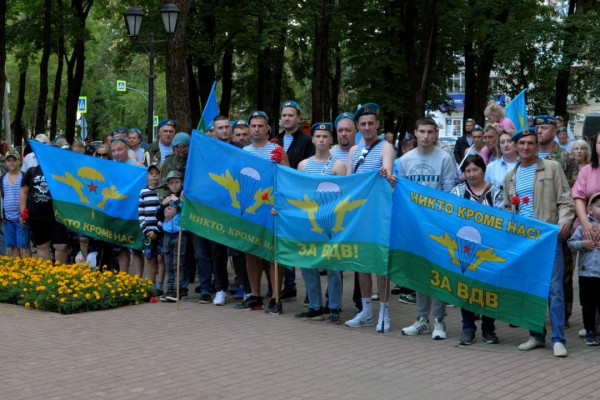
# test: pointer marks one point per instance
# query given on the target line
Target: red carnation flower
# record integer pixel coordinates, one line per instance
(25, 214)
(274, 140)
(153, 299)
(525, 200)
(277, 154)
(515, 200)
(265, 196)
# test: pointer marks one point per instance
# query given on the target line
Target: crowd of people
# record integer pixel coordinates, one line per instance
(490, 165)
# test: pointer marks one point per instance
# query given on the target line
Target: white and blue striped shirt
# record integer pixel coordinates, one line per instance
(11, 197)
(371, 161)
(262, 152)
(524, 180)
(319, 167)
(340, 154)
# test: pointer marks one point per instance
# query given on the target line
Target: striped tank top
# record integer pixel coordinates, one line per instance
(371, 161)
(340, 154)
(319, 167)
(262, 152)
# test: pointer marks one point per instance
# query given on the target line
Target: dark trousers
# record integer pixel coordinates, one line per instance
(589, 296)
(468, 320)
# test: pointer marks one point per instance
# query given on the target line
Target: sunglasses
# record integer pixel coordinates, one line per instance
(102, 155)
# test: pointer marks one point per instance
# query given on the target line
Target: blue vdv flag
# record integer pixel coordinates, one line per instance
(476, 257)
(211, 110)
(516, 111)
(332, 222)
(95, 197)
(228, 196)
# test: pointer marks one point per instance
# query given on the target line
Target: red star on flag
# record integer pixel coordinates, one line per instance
(92, 187)
(467, 249)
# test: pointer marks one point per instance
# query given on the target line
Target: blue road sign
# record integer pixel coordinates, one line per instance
(82, 105)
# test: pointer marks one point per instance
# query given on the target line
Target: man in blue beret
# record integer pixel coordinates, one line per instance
(161, 148)
(298, 147)
(372, 153)
(546, 129)
(322, 163)
(346, 135)
(260, 147)
(544, 183)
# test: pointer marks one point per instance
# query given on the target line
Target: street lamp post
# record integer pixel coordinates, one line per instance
(133, 20)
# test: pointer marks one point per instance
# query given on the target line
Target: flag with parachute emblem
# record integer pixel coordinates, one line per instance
(228, 196)
(92, 196)
(516, 111)
(479, 258)
(332, 222)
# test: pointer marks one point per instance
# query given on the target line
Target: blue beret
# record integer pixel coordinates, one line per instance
(181, 138)
(367, 109)
(290, 103)
(544, 120)
(558, 118)
(136, 130)
(527, 131)
(239, 122)
(321, 126)
(470, 120)
(169, 122)
(477, 128)
(258, 114)
(562, 129)
(343, 115)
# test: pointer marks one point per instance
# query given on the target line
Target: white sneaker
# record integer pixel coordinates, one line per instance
(383, 325)
(219, 298)
(530, 344)
(359, 321)
(375, 295)
(421, 325)
(581, 333)
(439, 330)
(559, 350)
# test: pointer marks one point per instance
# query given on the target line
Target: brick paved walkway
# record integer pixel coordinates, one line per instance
(154, 351)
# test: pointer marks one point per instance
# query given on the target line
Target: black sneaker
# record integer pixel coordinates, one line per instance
(159, 292)
(163, 297)
(490, 337)
(251, 303)
(334, 317)
(591, 339)
(467, 338)
(287, 295)
(171, 297)
(274, 308)
(204, 298)
(310, 313)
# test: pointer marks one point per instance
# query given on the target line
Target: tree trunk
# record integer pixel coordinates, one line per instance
(277, 78)
(59, 70)
(227, 81)
(195, 110)
(176, 77)
(262, 70)
(564, 69)
(17, 123)
(336, 80)
(2, 55)
(320, 74)
(40, 118)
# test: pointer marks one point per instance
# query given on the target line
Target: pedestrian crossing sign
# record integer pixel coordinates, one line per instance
(82, 105)
(121, 86)
(155, 121)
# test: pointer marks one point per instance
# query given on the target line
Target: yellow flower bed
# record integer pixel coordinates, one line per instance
(67, 289)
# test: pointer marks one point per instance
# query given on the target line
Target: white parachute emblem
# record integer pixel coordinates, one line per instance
(327, 196)
(469, 241)
(249, 183)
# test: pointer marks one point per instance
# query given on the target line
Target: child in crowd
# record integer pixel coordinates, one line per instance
(151, 228)
(589, 271)
(17, 236)
(169, 213)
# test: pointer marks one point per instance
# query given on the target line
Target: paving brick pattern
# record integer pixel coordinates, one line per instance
(156, 351)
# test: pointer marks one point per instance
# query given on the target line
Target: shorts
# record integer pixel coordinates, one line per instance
(152, 248)
(17, 235)
(48, 231)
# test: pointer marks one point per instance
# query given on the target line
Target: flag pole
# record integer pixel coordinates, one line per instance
(465, 157)
(178, 263)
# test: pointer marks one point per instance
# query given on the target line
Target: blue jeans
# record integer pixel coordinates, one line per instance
(312, 282)
(170, 241)
(556, 301)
